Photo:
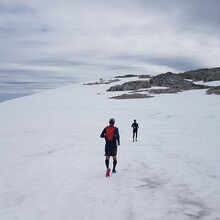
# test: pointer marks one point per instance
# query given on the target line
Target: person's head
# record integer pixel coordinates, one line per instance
(134, 120)
(111, 121)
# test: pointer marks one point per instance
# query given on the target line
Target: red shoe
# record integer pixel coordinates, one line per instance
(108, 172)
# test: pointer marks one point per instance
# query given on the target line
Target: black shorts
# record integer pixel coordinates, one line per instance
(135, 131)
(110, 150)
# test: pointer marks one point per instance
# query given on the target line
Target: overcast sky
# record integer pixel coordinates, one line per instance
(96, 38)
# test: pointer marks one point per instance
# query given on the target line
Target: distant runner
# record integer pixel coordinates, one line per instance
(135, 127)
(112, 141)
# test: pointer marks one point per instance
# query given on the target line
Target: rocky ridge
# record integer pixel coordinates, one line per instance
(174, 82)
(214, 90)
(205, 75)
(132, 85)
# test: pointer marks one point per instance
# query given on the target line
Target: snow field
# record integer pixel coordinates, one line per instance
(52, 158)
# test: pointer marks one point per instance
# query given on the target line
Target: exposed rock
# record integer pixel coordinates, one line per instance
(132, 96)
(196, 86)
(161, 91)
(214, 90)
(140, 90)
(206, 75)
(133, 85)
(169, 80)
(126, 76)
(143, 76)
(175, 81)
(102, 81)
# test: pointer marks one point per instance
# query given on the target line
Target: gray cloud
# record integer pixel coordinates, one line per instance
(15, 8)
(87, 38)
(178, 62)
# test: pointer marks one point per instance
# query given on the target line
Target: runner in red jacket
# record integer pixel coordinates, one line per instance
(112, 141)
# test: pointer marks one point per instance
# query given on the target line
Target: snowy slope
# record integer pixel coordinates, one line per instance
(52, 158)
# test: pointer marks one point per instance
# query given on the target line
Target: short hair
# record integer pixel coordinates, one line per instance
(111, 121)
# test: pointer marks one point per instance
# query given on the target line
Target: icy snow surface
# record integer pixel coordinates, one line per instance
(52, 158)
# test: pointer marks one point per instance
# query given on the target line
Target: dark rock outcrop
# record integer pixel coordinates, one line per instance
(132, 96)
(170, 80)
(162, 91)
(143, 76)
(126, 76)
(214, 90)
(205, 75)
(133, 85)
(174, 83)
(197, 86)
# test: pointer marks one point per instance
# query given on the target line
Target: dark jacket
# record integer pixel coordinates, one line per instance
(135, 126)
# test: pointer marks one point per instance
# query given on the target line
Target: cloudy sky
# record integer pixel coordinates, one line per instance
(98, 38)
